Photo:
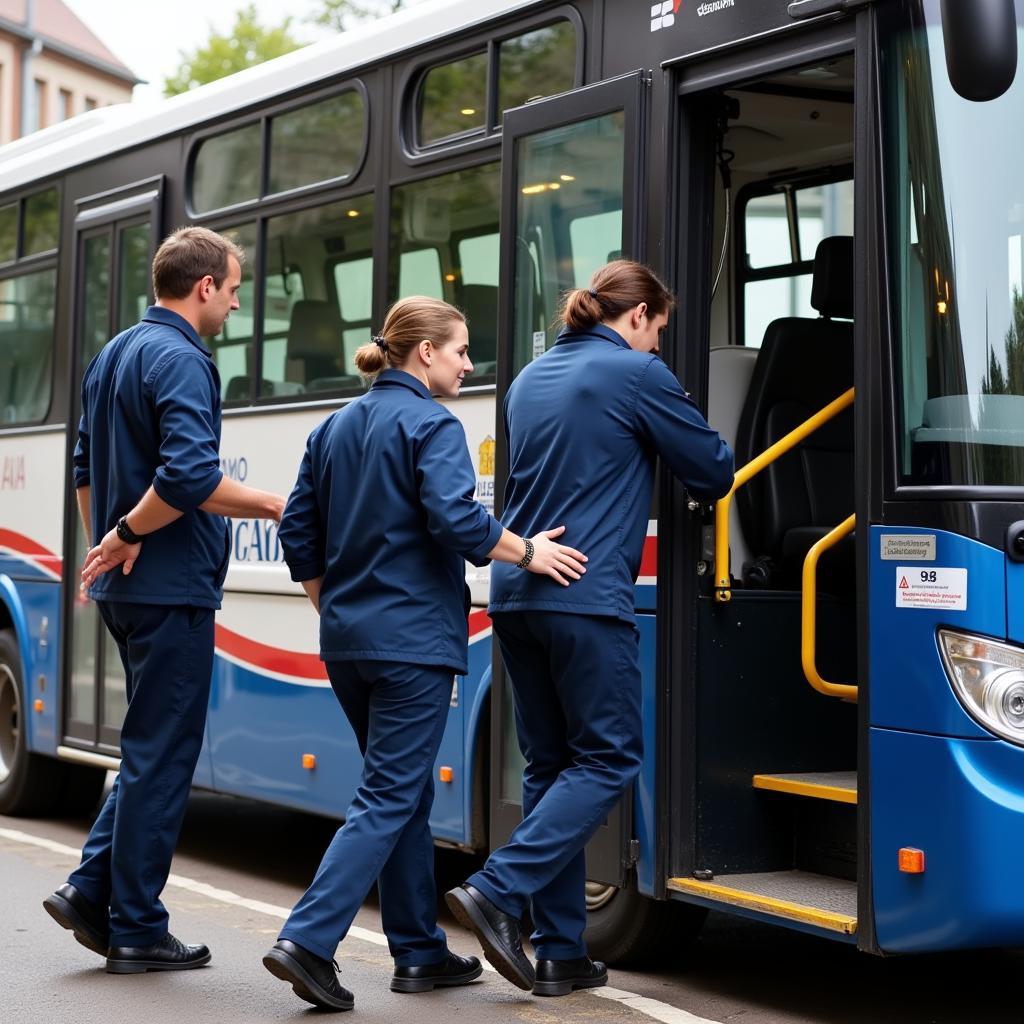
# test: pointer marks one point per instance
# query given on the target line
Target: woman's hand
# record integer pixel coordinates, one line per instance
(555, 560)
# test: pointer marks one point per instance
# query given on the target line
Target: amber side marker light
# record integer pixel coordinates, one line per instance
(39, 705)
(911, 860)
(309, 761)
(445, 774)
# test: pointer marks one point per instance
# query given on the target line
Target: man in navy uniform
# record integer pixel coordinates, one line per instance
(152, 498)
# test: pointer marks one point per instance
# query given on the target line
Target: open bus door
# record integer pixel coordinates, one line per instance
(572, 193)
(116, 235)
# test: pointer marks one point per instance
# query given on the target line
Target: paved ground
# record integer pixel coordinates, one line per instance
(736, 972)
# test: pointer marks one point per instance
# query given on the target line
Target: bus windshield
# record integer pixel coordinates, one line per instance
(955, 215)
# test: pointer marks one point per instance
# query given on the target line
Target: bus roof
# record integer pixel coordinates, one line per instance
(98, 133)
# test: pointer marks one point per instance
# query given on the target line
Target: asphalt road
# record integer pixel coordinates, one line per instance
(240, 866)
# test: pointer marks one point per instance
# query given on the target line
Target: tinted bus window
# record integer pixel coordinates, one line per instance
(232, 347)
(26, 346)
(134, 275)
(8, 232)
(318, 142)
(308, 344)
(536, 64)
(96, 298)
(41, 231)
(353, 286)
(453, 99)
(227, 169)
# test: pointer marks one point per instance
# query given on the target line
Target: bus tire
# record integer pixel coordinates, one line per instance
(29, 783)
(625, 927)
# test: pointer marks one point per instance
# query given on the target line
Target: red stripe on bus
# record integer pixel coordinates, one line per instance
(270, 659)
(28, 549)
(649, 559)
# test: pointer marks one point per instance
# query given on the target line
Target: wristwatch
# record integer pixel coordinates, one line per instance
(528, 556)
(126, 533)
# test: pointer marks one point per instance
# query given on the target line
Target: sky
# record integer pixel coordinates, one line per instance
(143, 36)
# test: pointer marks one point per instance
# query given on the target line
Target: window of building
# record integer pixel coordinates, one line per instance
(38, 116)
(66, 105)
(321, 142)
(26, 346)
(90, 103)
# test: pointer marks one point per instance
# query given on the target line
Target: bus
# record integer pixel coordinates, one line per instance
(833, 655)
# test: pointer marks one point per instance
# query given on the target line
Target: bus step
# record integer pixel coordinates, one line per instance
(819, 900)
(838, 786)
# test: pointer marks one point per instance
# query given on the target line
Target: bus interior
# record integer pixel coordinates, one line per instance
(774, 764)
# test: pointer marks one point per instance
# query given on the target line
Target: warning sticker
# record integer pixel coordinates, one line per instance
(931, 588)
(908, 545)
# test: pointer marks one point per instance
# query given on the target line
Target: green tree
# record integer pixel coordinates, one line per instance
(248, 43)
(339, 15)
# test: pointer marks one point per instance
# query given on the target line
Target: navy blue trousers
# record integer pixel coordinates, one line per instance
(167, 652)
(398, 713)
(576, 686)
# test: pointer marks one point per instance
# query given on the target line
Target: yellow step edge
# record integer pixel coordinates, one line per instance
(766, 904)
(800, 787)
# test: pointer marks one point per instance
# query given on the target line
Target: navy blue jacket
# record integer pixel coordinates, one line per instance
(383, 510)
(151, 416)
(584, 424)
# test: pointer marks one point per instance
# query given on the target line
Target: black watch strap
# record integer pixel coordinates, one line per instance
(126, 533)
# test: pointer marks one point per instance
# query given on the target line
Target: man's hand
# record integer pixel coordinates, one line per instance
(109, 554)
(556, 560)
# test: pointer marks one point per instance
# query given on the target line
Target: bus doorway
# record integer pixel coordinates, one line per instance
(765, 778)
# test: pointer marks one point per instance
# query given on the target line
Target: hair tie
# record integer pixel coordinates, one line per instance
(378, 340)
(593, 293)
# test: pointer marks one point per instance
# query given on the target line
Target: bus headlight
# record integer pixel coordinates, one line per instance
(988, 678)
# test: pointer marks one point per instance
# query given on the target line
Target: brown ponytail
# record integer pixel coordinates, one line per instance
(408, 322)
(615, 289)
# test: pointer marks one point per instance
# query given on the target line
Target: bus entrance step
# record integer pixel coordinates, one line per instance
(838, 786)
(819, 900)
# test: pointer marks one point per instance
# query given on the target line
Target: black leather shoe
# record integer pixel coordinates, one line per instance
(88, 922)
(454, 970)
(169, 954)
(497, 931)
(560, 977)
(311, 978)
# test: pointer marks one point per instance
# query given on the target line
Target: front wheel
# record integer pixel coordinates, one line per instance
(624, 927)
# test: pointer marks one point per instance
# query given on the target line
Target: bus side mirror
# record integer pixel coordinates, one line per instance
(1015, 541)
(981, 46)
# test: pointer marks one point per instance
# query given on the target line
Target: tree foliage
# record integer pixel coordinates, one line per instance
(248, 43)
(339, 15)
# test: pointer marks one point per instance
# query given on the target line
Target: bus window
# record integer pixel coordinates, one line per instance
(353, 285)
(304, 329)
(96, 298)
(41, 230)
(784, 290)
(539, 63)
(226, 169)
(232, 347)
(419, 273)
(321, 142)
(26, 346)
(133, 278)
(453, 100)
(8, 232)
(570, 182)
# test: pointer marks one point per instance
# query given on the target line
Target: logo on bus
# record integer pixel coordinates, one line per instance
(664, 14)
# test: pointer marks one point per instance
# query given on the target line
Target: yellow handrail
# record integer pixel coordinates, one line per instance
(723, 583)
(809, 610)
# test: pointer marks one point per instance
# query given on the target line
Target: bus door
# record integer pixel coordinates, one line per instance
(115, 239)
(572, 184)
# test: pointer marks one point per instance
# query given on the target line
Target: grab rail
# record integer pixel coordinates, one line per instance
(809, 613)
(723, 582)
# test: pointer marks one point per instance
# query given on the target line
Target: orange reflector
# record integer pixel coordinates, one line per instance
(309, 761)
(39, 705)
(445, 774)
(911, 860)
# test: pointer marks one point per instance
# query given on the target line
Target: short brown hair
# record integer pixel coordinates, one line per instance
(409, 321)
(614, 289)
(189, 254)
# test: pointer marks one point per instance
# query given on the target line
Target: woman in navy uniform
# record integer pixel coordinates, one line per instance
(584, 422)
(377, 530)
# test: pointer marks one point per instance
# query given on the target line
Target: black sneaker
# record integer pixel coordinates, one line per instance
(312, 978)
(453, 970)
(560, 977)
(89, 923)
(169, 954)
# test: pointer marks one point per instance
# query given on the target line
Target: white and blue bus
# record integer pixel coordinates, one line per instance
(833, 661)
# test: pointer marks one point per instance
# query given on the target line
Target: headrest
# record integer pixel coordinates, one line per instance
(314, 330)
(480, 304)
(832, 289)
